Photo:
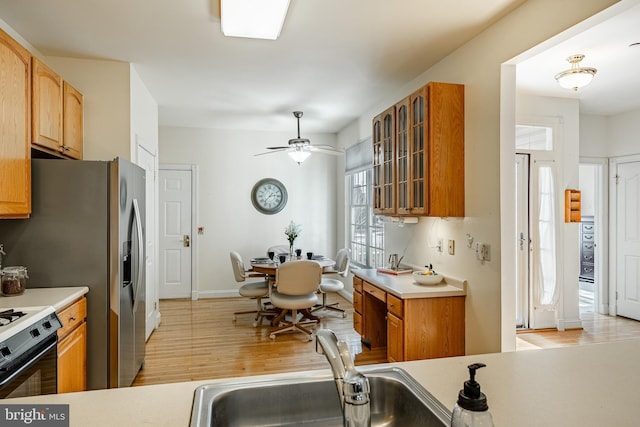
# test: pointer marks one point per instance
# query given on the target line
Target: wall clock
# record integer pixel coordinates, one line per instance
(269, 196)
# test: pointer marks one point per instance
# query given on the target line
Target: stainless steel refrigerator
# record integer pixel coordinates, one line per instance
(87, 229)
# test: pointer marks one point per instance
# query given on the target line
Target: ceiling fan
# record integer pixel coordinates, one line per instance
(300, 148)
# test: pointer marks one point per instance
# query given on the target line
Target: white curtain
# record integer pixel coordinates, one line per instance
(547, 223)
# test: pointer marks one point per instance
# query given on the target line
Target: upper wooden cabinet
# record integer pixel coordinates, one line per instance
(72, 122)
(384, 163)
(428, 166)
(15, 126)
(57, 113)
(46, 107)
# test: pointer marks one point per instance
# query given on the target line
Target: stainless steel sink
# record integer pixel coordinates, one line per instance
(312, 400)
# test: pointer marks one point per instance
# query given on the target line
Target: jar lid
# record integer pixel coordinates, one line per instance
(15, 269)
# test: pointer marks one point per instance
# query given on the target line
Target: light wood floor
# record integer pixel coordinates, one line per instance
(597, 328)
(198, 340)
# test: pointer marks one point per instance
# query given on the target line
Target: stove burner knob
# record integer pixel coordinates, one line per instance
(35, 333)
(5, 351)
(47, 325)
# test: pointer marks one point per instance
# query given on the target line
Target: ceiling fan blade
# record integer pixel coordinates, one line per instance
(326, 149)
(274, 151)
(277, 148)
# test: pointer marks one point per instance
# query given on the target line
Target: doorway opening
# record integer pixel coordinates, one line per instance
(592, 182)
(537, 226)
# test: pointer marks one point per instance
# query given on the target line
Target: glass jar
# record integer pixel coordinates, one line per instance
(14, 280)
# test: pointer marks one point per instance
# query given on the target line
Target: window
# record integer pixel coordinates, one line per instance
(366, 230)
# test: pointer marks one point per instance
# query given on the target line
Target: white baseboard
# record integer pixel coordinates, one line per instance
(572, 324)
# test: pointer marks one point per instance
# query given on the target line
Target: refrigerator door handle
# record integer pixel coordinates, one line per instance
(140, 261)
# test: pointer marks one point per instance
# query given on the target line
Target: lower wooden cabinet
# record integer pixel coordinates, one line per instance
(72, 347)
(412, 328)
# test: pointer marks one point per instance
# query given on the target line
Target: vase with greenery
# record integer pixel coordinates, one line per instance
(292, 232)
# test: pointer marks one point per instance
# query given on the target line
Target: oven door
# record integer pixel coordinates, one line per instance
(34, 373)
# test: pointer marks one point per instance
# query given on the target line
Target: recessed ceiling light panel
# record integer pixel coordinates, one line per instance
(257, 19)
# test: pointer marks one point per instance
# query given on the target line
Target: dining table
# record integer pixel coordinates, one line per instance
(269, 268)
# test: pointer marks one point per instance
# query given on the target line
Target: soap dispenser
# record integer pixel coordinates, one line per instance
(472, 410)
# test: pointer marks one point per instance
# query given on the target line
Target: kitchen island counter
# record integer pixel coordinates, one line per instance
(582, 386)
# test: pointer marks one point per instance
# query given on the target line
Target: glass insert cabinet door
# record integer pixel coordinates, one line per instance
(402, 157)
(417, 149)
(384, 162)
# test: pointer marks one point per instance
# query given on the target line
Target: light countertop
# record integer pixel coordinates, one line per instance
(403, 286)
(583, 386)
(43, 297)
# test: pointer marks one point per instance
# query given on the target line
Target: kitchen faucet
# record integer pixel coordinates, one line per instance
(353, 387)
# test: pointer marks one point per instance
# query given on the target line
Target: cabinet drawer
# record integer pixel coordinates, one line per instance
(357, 323)
(71, 316)
(357, 302)
(357, 284)
(587, 257)
(377, 293)
(587, 228)
(394, 306)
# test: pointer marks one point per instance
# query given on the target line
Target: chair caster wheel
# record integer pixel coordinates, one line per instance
(273, 337)
(255, 324)
(233, 319)
(344, 315)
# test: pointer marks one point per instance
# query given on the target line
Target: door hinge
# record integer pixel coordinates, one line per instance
(617, 177)
(616, 295)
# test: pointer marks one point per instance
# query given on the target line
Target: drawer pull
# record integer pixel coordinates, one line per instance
(72, 318)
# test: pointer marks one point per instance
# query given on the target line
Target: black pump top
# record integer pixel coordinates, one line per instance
(471, 398)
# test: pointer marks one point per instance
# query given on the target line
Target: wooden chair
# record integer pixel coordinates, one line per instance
(341, 268)
(255, 289)
(296, 286)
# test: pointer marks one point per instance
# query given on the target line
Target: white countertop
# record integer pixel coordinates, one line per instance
(43, 297)
(403, 286)
(584, 386)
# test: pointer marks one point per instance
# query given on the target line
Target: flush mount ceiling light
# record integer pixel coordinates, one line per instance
(256, 19)
(575, 77)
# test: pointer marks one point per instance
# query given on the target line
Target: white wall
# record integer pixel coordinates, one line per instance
(594, 141)
(477, 66)
(624, 134)
(228, 170)
(107, 110)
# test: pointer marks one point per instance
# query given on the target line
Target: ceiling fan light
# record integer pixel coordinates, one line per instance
(299, 155)
(577, 76)
(257, 19)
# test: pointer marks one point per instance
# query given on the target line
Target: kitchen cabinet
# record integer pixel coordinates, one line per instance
(402, 158)
(409, 328)
(384, 163)
(424, 135)
(56, 114)
(46, 107)
(587, 249)
(15, 129)
(357, 305)
(72, 125)
(72, 347)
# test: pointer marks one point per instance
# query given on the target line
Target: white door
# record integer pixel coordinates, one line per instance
(628, 239)
(147, 161)
(522, 241)
(175, 233)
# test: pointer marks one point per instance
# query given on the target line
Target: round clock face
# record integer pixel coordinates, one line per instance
(269, 196)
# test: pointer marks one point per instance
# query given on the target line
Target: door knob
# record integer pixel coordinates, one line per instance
(185, 241)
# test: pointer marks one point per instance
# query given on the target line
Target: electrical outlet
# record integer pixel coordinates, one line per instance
(483, 251)
(452, 247)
